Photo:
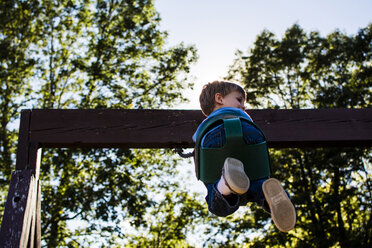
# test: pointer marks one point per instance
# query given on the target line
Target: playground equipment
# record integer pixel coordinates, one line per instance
(209, 161)
(41, 128)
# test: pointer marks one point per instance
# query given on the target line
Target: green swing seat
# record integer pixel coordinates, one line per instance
(209, 161)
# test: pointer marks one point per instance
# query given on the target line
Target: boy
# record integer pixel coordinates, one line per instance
(234, 188)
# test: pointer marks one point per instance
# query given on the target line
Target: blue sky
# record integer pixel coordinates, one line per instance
(219, 27)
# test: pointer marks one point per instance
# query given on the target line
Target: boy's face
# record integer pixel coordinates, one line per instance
(234, 99)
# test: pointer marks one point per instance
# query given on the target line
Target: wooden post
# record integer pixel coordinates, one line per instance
(19, 209)
(20, 226)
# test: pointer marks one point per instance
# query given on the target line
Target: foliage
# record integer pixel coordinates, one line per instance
(330, 188)
(15, 38)
(91, 54)
(167, 229)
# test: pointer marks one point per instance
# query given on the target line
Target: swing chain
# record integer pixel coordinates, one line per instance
(179, 150)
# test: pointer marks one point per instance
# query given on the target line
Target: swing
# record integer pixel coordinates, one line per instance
(209, 161)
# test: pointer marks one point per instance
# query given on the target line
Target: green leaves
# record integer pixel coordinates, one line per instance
(305, 70)
(89, 54)
(343, 69)
(329, 187)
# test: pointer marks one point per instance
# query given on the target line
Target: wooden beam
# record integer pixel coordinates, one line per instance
(114, 128)
(174, 128)
(316, 127)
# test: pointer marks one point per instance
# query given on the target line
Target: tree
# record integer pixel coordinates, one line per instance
(331, 188)
(167, 229)
(15, 38)
(91, 54)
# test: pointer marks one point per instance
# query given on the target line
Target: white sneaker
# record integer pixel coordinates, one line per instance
(234, 175)
(282, 210)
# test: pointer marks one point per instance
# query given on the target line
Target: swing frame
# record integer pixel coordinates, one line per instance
(103, 128)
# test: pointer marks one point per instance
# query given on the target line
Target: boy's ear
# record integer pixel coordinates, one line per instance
(218, 98)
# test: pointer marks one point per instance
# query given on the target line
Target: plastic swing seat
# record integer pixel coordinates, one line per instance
(209, 161)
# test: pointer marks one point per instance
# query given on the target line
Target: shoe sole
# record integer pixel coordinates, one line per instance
(282, 210)
(234, 175)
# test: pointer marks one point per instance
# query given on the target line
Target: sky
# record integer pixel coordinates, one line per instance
(220, 27)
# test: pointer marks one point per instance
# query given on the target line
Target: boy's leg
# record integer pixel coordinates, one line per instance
(282, 210)
(223, 197)
(219, 204)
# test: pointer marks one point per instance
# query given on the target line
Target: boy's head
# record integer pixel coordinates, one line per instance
(213, 95)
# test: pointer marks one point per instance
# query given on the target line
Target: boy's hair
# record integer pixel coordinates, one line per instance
(206, 99)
